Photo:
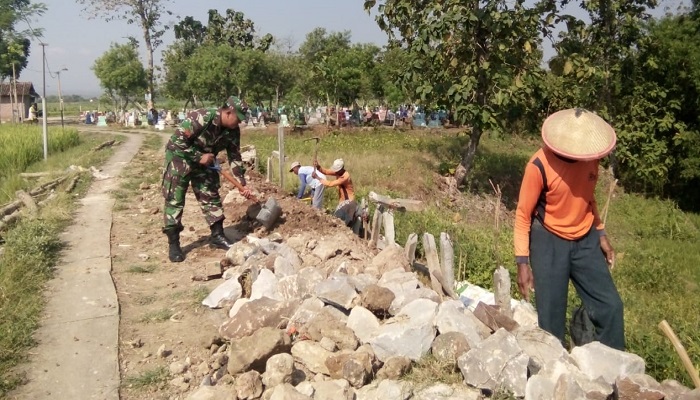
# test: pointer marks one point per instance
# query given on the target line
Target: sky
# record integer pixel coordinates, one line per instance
(74, 41)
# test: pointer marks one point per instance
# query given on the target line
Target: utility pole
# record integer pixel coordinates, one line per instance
(43, 101)
(13, 98)
(60, 96)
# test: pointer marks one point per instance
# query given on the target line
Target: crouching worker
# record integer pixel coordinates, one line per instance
(305, 174)
(190, 158)
(347, 206)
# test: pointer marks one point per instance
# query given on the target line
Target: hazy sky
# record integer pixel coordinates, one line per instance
(74, 41)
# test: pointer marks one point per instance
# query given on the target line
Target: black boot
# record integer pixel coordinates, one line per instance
(218, 238)
(174, 251)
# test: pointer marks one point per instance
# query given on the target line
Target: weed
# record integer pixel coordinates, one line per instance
(141, 269)
(148, 378)
(156, 316)
(199, 294)
(144, 300)
(429, 370)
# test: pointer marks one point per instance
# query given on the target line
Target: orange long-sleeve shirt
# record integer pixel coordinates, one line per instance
(563, 200)
(343, 183)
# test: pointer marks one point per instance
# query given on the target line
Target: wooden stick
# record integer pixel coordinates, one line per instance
(35, 174)
(10, 208)
(689, 367)
(103, 145)
(607, 202)
(72, 184)
(27, 200)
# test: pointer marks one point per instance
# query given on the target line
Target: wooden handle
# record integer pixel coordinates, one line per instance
(689, 367)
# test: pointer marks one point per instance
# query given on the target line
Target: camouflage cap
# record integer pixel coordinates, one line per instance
(240, 106)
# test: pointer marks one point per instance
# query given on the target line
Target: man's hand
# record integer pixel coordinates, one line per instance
(245, 192)
(314, 175)
(607, 250)
(526, 282)
(207, 159)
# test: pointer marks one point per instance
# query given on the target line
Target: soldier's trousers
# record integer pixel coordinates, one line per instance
(177, 178)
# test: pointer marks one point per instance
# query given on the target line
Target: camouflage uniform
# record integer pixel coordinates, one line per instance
(198, 134)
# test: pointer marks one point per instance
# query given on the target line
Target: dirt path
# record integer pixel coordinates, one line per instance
(77, 354)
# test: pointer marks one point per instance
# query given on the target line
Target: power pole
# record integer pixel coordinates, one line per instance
(60, 96)
(43, 101)
(13, 89)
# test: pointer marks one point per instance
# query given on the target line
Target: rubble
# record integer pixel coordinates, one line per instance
(326, 318)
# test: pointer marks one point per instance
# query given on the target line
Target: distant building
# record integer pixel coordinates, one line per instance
(26, 95)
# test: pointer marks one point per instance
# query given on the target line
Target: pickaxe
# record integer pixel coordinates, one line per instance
(317, 139)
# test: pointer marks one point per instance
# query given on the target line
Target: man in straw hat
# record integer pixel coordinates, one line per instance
(347, 206)
(559, 235)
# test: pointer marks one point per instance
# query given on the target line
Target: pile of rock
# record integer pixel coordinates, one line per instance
(325, 319)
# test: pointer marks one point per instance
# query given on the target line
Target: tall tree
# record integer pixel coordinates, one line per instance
(144, 13)
(14, 42)
(478, 57)
(121, 74)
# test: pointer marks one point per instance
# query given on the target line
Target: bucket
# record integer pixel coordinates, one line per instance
(269, 213)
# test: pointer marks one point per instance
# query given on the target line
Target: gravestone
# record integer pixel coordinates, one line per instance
(102, 120)
(284, 121)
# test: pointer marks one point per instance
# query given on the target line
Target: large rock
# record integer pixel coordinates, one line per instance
(278, 370)
(356, 368)
(227, 292)
(392, 257)
(253, 352)
(265, 286)
(399, 281)
(213, 393)
(394, 368)
(452, 316)
(287, 392)
(307, 279)
(312, 356)
(325, 325)
(673, 388)
(288, 288)
(408, 334)
(448, 347)
(442, 391)
(409, 295)
(363, 323)
(283, 267)
(394, 390)
(308, 309)
(338, 292)
(361, 281)
(333, 390)
(377, 299)
(638, 387)
(542, 348)
(497, 362)
(328, 248)
(561, 379)
(598, 360)
(249, 386)
(236, 307)
(240, 251)
(256, 314)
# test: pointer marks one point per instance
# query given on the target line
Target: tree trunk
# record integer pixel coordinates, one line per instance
(465, 166)
(149, 60)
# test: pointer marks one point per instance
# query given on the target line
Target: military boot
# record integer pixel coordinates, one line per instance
(174, 251)
(218, 238)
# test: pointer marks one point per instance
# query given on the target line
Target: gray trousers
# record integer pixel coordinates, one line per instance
(317, 200)
(554, 262)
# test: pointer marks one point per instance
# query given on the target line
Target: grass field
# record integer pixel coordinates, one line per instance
(658, 266)
(21, 146)
(32, 246)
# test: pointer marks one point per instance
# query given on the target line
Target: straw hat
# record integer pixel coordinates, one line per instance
(578, 134)
(294, 165)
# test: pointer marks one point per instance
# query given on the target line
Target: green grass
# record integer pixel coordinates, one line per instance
(31, 251)
(136, 173)
(157, 316)
(141, 269)
(148, 378)
(658, 267)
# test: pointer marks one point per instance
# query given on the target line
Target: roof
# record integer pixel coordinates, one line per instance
(23, 89)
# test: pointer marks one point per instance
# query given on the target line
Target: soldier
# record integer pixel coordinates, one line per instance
(190, 157)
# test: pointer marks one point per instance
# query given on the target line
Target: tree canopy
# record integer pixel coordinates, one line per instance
(14, 42)
(121, 74)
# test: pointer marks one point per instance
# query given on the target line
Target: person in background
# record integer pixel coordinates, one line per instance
(305, 174)
(559, 236)
(347, 206)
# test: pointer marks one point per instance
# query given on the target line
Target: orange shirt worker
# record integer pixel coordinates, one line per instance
(559, 235)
